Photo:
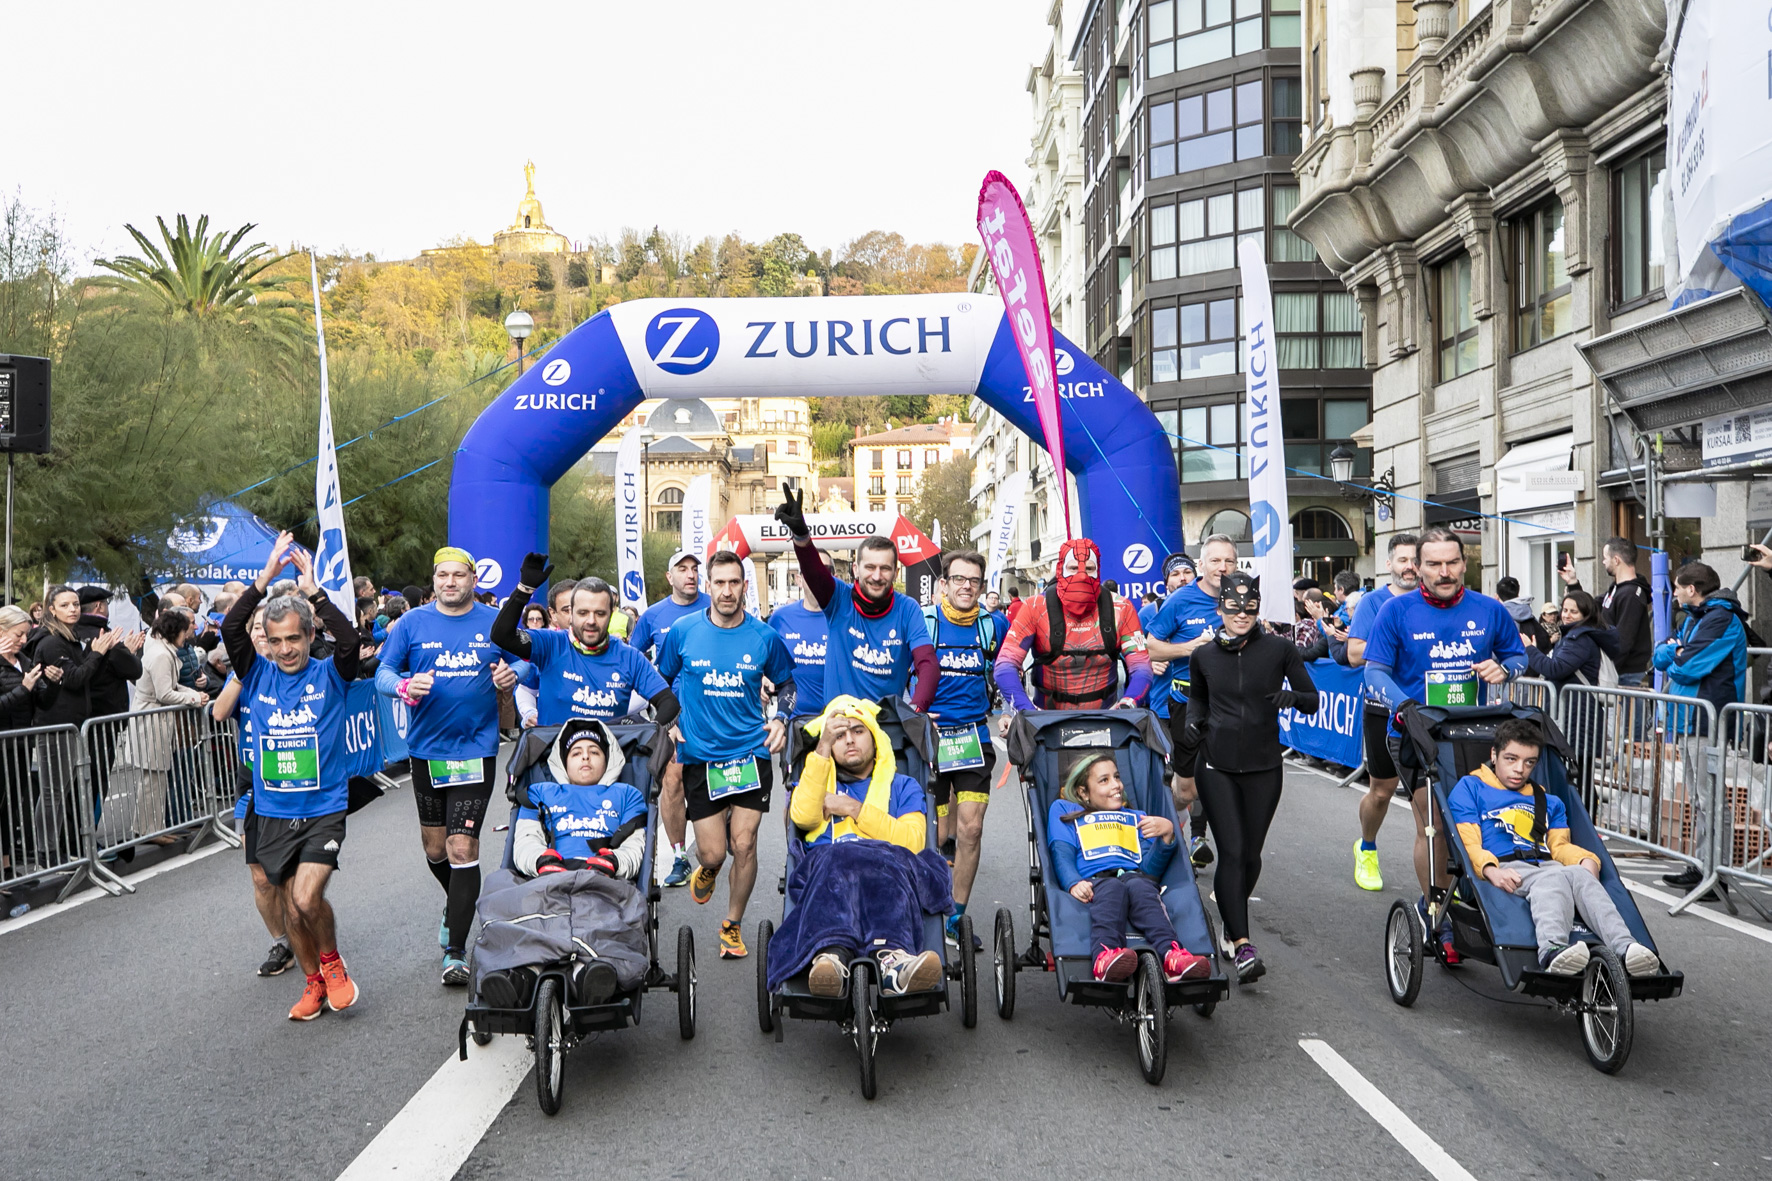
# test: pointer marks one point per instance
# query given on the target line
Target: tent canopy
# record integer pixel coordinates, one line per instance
(224, 544)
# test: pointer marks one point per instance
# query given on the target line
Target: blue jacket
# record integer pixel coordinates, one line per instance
(1577, 654)
(1707, 660)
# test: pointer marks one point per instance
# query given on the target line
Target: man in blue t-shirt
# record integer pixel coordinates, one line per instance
(966, 642)
(717, 661)
(299, 779)
(1381, 773)
(877, 635)
(683, 573)
(803, 628)
(440, 659)
(1438, 647)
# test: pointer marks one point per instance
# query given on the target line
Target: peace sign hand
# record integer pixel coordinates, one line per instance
(792, 512)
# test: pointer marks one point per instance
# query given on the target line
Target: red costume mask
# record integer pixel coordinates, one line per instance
(1079, 581)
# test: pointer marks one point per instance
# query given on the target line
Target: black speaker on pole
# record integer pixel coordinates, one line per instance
(24, 404)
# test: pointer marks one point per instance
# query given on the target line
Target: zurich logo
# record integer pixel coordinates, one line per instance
(1137, 558)
(556, 372)
(682, 341)
(1264, 527)
(1064, 361)
(633, 586)
(489, 573)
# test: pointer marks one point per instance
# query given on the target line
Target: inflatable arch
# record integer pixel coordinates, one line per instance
(809, 347)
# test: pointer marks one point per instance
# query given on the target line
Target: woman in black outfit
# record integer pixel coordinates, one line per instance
(55, 645)
(24, 689)
(1240, 683)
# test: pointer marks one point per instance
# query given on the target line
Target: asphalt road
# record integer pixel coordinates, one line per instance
(139, 1043)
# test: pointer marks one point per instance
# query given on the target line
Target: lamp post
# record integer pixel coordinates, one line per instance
(646, 477)
(519, 324)
(1381, 491)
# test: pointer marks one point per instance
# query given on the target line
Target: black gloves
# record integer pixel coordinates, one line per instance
(535, 570)
(792, 512)
(552, 862)
(1282, 699)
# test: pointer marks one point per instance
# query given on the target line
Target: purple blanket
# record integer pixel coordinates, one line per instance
(862, 895)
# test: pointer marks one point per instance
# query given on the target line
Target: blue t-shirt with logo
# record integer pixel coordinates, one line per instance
(1184, 616)
(575, 684)
(458, 718)
(1413, 638)
(303, 763)
(580, 820)
(1365, 615)
(243, 738)
(656, 621)
(806, 633)
(871, 658)
(962, 692)
(718, 673)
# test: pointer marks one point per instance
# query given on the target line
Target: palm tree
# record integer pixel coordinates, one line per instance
(200, 275)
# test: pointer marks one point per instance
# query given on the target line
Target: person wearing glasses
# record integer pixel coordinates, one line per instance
(1239, 684)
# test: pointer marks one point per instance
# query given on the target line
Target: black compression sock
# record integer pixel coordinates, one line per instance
(1197, 820)
(440, 871)
(464, 890)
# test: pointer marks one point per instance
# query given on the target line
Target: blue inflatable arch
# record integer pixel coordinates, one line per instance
(848, 345)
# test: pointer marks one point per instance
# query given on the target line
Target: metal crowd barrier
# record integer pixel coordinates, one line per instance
(161, 773)
(1743, 827)
(47, 811)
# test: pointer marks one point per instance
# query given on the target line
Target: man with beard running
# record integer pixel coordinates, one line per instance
(440, 659)
(683, 573)
(1381, 773)
(300, 775)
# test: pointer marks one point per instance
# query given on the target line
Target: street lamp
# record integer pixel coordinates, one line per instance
(1382, 489)
(519, 324)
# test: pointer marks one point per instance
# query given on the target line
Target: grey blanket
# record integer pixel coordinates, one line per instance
(528, 922)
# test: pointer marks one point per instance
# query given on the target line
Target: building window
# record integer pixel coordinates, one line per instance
(1542, 299)
(1288, 117)
(1187, 33)
(1311, 427)
(876, 506)
(877, 486)
(931, 457)
(1288, 246)
(879, 460)
(1320, 524)
(669, 522)
(1455, 325)
(1210, 437)
(1198, 236)
(904, 485)
(1231, 522)
(1317, 330)
(793, 446)
(1639, 187)
(670, 496)
(904, 461)
(1194, 340)
(1204, 130)
(1284, 29)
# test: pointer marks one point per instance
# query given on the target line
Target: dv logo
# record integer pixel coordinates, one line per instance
(489, 573)
(556, 372)
(682, 341)
(633, 587)
(1137, 558)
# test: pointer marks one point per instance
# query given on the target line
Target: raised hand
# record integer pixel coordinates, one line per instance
(792, 511)
(134, 641)
(534, 571)
(275, 563)
(106, 640)
(304, 563)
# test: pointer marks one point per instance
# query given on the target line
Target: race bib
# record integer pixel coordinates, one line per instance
(1105, 834)
(290, 762)
(1449, 688)
(957, 748)
(454, 772)
(731, 778)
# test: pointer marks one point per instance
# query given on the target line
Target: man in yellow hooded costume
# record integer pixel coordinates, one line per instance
(862, 879)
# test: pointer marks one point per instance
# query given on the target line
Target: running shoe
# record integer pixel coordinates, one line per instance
(731, 940)
(828, 976)
(341, 991)
(1640, 961)
(679, 875)
(593, 983)
(443, 932)
(1115, 965)
(455, 970)
(701, 884)
(277, 960)
(1181, 964)
(1249, 965)
(1366, 874)
(901, 972)
(1564, 959)
(1199, 852)
(313, 1000)
(952, 927)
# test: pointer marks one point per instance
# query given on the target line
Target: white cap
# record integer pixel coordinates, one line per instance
(679, 556)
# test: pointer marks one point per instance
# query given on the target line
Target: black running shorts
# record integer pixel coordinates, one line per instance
(971, 786)
(283, 843)
(1177, 724)
(700, 807)
(459, 807)
(1375, 723)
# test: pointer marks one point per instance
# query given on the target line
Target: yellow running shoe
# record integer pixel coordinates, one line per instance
(701, 883)
(1366, 875)
(732, 942)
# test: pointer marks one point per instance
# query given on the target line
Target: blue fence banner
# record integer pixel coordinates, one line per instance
(391, 718)
(1333, 732)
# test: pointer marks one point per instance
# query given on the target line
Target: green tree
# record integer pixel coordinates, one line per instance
(945, 494)
(200, 274)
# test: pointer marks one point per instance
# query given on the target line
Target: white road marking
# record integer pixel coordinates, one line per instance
(442, 1124)
(1722, 920)
(1436, 1160)
(38, 914)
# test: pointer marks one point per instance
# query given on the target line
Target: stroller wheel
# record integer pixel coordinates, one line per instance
(1607, 1020)
(765, 1012)
(685, 982)
(1150, 1018)
(861, 992)
(1003, 962)
(968, 975)
(1403, 949)
(550, 1045)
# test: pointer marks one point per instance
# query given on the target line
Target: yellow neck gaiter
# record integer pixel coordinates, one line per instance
(957, 617)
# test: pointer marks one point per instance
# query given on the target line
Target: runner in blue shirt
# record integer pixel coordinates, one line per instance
(440, 659)
(877, 635)
(1178, 574)
(1381, 773)
(717, 660)
(683, 573)
(1437, 647)
(583, 671)
(966, 642)
(299, 778)
(802, 627)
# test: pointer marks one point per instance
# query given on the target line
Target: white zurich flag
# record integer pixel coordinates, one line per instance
(1269, 515)
(630, 516)
(1003, 516)
(332, 560)
(697, 517)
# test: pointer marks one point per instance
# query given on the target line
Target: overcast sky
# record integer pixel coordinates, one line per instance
(389, 127)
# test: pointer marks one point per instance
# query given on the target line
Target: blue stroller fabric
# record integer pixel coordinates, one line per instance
(860, 895)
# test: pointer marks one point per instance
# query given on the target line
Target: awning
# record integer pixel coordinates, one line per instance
(1541, 455)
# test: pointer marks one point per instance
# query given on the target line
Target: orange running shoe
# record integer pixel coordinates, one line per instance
(341, 991)
(313, 1000)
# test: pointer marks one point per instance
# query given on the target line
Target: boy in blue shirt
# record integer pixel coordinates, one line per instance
(1109, 857)
(1517, 838)
(717, 660)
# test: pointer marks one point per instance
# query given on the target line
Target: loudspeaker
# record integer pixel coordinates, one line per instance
(24, 404)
